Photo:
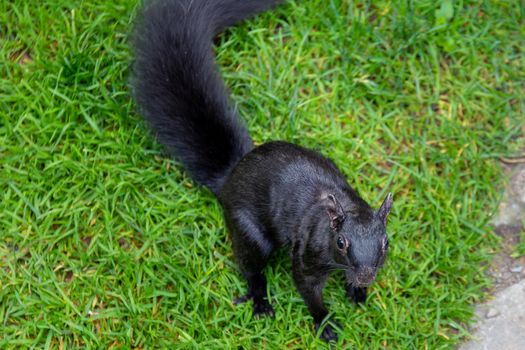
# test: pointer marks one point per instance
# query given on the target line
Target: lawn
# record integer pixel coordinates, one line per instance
(105, 242)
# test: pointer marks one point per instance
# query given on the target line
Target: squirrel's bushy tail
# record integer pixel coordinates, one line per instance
(177, 86)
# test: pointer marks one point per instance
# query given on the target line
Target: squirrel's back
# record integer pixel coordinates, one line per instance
(177, 85)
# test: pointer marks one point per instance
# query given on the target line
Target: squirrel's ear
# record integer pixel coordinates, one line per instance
(385, 208)
(335, 212)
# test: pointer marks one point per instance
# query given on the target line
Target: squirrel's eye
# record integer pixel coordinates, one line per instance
(340, 243)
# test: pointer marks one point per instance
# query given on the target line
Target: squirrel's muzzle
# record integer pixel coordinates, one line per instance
(365, 276)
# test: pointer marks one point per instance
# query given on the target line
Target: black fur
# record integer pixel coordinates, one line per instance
(282, 194)
(278, 194)
(178, 88)
(356, 294)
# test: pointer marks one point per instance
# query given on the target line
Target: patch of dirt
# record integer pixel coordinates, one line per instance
(508, 224)
(506, 270)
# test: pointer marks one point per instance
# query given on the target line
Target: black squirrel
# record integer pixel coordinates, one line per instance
(277, 194)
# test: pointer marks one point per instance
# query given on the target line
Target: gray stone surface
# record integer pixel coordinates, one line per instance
(512, 208)
(502, 322)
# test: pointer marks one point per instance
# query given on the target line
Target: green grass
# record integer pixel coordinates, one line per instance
(106, 243)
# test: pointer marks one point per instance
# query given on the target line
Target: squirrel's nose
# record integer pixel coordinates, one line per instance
(365, 275)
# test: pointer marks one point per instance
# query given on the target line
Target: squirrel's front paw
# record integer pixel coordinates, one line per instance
(261, 307)
(356, 294)
(328, 334)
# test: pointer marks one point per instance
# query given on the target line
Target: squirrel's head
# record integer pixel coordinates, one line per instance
(358, 237)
